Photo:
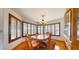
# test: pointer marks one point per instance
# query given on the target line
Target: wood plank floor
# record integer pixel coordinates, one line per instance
(60, 43)
(23, 45)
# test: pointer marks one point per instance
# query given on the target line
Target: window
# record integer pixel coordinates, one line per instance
(57, 29)
(45, 29)
(19, 29)
(42, 29)
(29, 29)
(14, 28)
(32, 29)
(39, 30)
(49, 28)
(25, 29)
(52, 29)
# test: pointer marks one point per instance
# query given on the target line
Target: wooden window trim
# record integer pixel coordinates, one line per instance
(51, 27)
(11, 16)
(27, 28)
(23, 28)
(40, 28)
(55, 30)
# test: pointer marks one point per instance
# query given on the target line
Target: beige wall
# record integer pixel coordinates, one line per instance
(1, 28)
(5, 29)
(1, 21)
(30, 21)
(4, 25)
(24, 18)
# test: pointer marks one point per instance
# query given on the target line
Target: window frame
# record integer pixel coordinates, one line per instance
(31, 24)
(55, 30)
(50, 25)
(40, 29)
(10, 20)
(23, 28)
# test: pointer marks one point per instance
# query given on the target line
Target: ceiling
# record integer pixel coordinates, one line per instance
(35, 14)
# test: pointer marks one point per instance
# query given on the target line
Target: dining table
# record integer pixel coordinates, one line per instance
(41, 37)
(40, 40)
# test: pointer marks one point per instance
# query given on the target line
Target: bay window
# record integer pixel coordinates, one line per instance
(54, 29)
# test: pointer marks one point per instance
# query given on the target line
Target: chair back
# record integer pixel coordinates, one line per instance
(29, 45)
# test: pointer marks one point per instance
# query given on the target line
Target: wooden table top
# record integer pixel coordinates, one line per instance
(40, 37)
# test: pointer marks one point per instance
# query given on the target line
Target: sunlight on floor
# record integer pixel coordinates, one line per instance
(57, 47)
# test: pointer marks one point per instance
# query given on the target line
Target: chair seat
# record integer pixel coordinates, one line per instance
(42, 45)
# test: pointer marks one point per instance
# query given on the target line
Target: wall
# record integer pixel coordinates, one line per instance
(1, 28)
(4, 21)
(29, 21)
(1, 41)
(5, 43)
(61, 20)
(25, 18)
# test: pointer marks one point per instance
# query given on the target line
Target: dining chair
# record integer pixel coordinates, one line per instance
(34, 43)
(28, 42)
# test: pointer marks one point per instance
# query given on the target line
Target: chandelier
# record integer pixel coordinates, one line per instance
(43, 21)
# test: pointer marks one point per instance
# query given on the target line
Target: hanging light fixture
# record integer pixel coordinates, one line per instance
(43, 21)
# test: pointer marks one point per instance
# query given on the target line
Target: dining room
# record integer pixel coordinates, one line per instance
(38, 29)
(39, 35)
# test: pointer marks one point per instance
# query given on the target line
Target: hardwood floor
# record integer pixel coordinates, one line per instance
(24, 46)
(21, 46)
(60, 43)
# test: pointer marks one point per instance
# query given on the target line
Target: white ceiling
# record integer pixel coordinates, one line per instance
(35, 13)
